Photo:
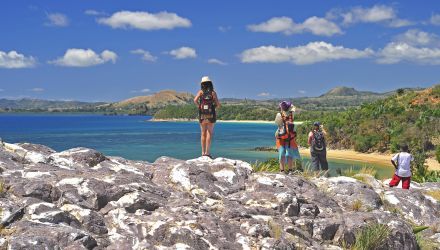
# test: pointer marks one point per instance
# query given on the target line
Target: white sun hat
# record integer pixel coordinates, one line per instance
(205, 79)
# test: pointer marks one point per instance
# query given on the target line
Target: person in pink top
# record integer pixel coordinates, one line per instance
(402, 164)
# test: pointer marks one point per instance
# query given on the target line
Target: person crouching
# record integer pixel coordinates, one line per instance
(402, 164)
(286, 137)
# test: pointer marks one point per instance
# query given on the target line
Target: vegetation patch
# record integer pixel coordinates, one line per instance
(373, 236)
(357, 205)
(275, 229)
(425, 244)
(351, 172)
(3, 189)
(434, 194)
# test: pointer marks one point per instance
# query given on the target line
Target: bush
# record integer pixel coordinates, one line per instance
(437, 153)
(373, 236)
(270, 165)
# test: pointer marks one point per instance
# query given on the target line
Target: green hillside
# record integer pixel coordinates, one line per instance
(409, 117)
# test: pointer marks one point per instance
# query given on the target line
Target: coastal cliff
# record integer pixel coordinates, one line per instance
(82, 199)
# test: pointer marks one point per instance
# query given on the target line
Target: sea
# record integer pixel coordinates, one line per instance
(139, 138)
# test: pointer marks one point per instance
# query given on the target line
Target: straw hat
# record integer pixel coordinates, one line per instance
(205, 79)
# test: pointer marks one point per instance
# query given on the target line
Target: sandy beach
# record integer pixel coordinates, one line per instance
(219, 121)
(375, 158)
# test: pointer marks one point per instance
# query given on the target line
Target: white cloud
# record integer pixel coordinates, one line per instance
(414, 46)
(183, 53)
(15, 60)
(376, 14)
(264, 94)
(302, 92)
(315, 25)
(216, 61)
(313, 52)
(141, 91)
(145, 21)
(37, 90)
(84, 58)
(417, 37)
(145, 55)
(397, 23)
(435, 19)
(57, 19)
(94, 13)
(396, 52)
(224, 28)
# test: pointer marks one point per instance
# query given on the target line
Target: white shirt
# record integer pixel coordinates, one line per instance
(403, 161)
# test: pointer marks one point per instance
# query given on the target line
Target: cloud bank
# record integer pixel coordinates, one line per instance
(84, 58)
(145, 20)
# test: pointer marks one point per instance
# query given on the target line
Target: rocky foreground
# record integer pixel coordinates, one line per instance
(81, 199)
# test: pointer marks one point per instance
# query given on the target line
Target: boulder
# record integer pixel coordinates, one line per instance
(81, 199)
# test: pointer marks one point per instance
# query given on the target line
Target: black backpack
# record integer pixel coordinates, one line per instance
(318, 140)
(207, 103)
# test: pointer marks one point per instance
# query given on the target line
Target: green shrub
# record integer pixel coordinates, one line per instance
(437, 153)
(373, 236)
(270, 165)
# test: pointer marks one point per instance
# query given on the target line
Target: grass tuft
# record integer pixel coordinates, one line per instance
(3, 189)
(424, 243)
(275, 229)
(351, 172)
(357, 205)
(373, 236)
(434, 194)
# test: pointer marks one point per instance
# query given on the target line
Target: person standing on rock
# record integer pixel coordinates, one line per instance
(286, 137)
(318, 147)
(402, 164)
(207, 101)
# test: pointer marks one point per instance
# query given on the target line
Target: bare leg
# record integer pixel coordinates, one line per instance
(289, 164)
(209, 135)
(203, 137)
(282, 163)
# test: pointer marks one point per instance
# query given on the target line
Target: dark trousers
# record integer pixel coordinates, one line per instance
(319, 160)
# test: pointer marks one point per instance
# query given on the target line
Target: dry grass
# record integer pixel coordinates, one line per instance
(275, 229)
(357, 205)
(351, 172)
(434, 194)
(3, 189)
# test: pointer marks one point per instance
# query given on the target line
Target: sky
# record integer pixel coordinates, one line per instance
(93, 50)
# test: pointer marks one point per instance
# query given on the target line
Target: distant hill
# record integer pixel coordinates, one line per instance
(149, 104)
(346, 91)
(46, 105)
(158, 99)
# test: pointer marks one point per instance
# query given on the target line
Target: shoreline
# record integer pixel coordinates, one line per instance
(219, 121)
(375, 158)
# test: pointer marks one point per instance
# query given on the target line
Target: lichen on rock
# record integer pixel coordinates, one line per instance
(81, 199)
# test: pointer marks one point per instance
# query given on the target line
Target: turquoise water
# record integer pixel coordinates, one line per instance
(134, 137)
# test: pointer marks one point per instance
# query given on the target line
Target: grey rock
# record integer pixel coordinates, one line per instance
(80, 199)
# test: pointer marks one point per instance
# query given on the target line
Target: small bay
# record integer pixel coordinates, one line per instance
(137, 138)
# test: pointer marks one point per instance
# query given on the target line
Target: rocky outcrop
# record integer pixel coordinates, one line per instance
(81, 199)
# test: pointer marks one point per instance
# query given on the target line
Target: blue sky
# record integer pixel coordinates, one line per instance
(111, 50)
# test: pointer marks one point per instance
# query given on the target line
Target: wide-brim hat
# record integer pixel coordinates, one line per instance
(205, 79)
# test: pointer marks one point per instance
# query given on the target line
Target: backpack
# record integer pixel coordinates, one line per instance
(287, 132)
(318, 140)
(207, 103)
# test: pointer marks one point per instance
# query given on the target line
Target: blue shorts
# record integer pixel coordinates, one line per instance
(292, 153)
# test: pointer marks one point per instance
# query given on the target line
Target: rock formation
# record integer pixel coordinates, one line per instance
(81, 199)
